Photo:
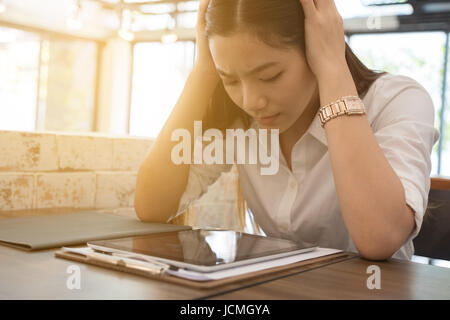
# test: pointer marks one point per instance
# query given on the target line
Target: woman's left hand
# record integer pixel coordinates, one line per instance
(324, 37)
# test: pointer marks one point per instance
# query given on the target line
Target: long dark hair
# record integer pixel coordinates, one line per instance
(278, 23)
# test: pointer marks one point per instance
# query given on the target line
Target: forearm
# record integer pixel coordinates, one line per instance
(371, 195)
(160, 182)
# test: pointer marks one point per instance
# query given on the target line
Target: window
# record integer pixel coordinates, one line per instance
(68, 85)
(159, 74)
(46, 84)
(349, 9)
(19, 69)
(445, 138)
(419, 55)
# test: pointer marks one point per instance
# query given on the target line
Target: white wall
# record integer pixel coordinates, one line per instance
(114, 87)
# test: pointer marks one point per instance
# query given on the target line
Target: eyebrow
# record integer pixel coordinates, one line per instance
(255, 70)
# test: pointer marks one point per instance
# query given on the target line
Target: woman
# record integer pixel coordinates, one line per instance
(356, 182)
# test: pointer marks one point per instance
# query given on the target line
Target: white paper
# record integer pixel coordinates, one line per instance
(236, 271)
(84, 250)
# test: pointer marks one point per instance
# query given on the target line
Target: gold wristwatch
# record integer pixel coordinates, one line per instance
(349, 105)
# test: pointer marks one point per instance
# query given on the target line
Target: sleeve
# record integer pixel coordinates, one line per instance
(200, 178)
(405, 132)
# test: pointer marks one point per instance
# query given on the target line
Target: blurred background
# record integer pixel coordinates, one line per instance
(118, 66)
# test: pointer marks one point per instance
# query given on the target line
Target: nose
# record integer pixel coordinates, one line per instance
(253, 100)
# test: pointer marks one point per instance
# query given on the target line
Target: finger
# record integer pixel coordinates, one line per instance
(322, 4)
(333, 5)
(309, 8)
(203, 6)
(326, 6)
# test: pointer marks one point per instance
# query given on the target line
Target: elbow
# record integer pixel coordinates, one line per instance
(143, 205)
(377, 250)
(140, 212)
(372, 255)
(382, 243)
(147, 216)
(140, 215)
(146, 212)
(152, 204)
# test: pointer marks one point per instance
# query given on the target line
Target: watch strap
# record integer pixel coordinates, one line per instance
(349, 105)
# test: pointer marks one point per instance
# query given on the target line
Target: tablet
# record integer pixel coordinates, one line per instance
(201, 249)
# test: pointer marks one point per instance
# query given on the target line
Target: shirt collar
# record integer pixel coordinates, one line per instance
(315, 129)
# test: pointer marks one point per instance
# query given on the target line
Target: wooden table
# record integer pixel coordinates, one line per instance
(348, 280)
(39, 275)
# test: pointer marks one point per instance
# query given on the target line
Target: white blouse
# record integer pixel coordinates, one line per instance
(302, 204)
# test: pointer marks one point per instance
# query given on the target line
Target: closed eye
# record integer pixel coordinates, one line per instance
(273, 78)
(234, 82)
(230, 83)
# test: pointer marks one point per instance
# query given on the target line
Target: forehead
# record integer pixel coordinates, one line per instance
(242, 52)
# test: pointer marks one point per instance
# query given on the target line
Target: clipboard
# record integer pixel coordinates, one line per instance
(159, 273)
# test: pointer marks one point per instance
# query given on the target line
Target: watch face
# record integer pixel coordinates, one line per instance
(354, 105)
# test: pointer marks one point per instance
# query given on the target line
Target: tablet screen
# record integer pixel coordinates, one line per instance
(202, 247)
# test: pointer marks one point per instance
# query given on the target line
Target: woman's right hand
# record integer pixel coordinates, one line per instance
(204, 60)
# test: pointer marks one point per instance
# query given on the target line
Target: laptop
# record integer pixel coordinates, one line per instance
(202, 250)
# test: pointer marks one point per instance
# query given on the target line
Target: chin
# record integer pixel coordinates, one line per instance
(280, 125)
(281, 129)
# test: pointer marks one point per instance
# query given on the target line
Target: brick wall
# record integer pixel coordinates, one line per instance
(92, 171)
(46, 170)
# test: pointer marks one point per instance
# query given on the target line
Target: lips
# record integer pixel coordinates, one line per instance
(267, 117)
(267, 120)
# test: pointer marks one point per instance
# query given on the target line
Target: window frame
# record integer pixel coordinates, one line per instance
(444, 84)
(43, 35)
(132, 65)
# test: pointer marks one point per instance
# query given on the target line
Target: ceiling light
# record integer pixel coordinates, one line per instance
(126, 34)
(74, 20)
(169, 36)
(126, 26)
(74, 23)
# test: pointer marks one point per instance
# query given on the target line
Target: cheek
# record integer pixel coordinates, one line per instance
(298, 87)
(235, 94)
(295, 83)
(287, 92)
